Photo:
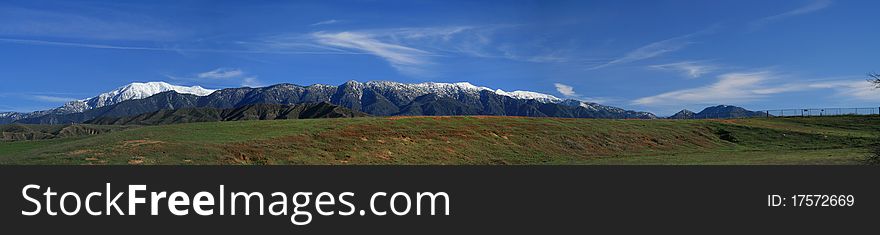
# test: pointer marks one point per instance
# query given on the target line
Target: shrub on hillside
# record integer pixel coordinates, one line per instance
(726, 135)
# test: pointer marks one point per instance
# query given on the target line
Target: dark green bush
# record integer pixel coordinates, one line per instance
(726, 135)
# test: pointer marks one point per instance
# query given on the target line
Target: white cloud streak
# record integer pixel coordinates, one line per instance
(692, 69)
(299, 51)
(412, 51)
(326, 22)
(221, 76)
(52, 99)
(565, 90)
(651, 50)
(104, 25)
(730, 88)
(814, 6)
(251, 82)
(407, 60)
(858, 90)
(82, 45)
(221, 73)
(745, 87)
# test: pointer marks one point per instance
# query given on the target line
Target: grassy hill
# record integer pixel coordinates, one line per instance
(467, 140)
(16, 132)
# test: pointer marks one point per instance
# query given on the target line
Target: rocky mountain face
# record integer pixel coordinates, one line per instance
(9, 117)
(720, 111)
(380, 98)
(248, 112)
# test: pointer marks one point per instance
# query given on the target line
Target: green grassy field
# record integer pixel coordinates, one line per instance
(467, 140)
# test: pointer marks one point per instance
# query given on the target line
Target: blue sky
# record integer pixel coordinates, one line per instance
(658, 56)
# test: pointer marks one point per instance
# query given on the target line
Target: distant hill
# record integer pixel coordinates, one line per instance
(719, 111)
(15, 132)
(248, 112)
(683, 114)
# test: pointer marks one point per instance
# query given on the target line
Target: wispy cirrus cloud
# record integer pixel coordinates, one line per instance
(326, 22)
(251, 82)
(405, 59)
(314, 50)
(80, 45)
(651, 50)
(692, 69)
(220, 77)
(221, 73)
(814, 6)
(569, 92)
(855, 89)
(411, 51)
(51, 99)
(85, 24)
(658, 48)
(730, 88)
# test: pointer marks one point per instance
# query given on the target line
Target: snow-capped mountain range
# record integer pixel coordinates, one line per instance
(456, 89)
(400, 94)
(131, 91)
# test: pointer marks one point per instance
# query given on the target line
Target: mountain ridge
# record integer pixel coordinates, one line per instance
(381, 98)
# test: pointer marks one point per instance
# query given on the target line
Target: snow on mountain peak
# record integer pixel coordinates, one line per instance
(529, 95)
(139, 90)
(445, 89)
(151, 88)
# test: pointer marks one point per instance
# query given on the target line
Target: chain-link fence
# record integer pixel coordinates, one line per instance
(810, 112)
(820, 112)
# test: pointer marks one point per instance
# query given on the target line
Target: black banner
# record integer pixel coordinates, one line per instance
(481, 199)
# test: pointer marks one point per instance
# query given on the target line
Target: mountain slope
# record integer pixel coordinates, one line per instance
(249, 112)
(131, 91)
(165, 100)
(16, 132)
